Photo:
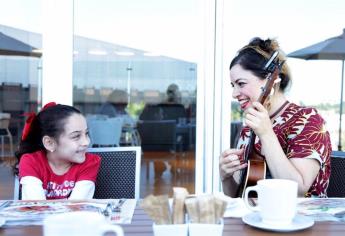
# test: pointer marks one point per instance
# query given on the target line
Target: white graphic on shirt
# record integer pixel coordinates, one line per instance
(54, 190)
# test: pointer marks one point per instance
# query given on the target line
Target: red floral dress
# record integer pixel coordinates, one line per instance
(301, 133)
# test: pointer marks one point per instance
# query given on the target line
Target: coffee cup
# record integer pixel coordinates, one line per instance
(79, 223)
(277, 200)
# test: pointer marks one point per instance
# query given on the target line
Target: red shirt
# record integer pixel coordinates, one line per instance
(58, 186)
(301, 133)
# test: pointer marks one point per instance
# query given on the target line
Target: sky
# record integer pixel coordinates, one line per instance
(295, 24)
(173, 28)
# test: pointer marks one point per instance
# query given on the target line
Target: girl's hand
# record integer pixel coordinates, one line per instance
(231, 160)
(257, 118)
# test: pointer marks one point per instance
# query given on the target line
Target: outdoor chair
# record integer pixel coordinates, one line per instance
(235, 132)
(159, 135)
(336, 187)
(105, 132)
(119, 174)
(5, 133)
(16, 190)
(160, 139)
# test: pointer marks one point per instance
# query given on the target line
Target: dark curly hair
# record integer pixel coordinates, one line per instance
(254, 56)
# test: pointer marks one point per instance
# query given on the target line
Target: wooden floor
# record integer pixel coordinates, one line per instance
(160, 172)
(6, 178)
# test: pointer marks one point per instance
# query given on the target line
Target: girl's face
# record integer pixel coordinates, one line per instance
(246, 86)
(74, 141)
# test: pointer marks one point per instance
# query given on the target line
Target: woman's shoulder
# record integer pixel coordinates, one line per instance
(299, 110)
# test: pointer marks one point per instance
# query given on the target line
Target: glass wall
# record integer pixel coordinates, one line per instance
(20, 60)
(315, 83)
(136, 61)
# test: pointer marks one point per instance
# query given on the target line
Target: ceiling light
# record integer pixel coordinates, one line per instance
(124, 53)
(98, 52)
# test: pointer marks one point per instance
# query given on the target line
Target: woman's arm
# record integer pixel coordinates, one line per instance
(32, 188)
(83, 189)
(301, 170)
(230, 186)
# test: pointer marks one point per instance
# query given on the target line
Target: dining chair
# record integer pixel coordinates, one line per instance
(105, 132)
(336, 187)
(119, 173)
(16, 189)
(160, 138)
(5, 133)
(158, 135)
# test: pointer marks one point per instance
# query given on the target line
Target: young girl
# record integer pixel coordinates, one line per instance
(53, 163)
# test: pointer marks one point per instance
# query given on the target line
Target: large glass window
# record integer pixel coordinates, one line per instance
(315, 83)
(136, 61)
(20, 66)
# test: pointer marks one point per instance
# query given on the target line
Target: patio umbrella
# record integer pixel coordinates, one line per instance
(329, 49)
(13, 47)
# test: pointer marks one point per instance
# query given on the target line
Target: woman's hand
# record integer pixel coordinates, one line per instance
(231, 161)
(257, 118)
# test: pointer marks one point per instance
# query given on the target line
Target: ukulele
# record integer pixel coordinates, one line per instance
(256, 168)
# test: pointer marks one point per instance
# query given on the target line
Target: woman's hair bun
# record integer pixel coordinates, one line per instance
(268, 45)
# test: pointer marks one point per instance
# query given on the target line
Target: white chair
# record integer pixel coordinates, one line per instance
(5, 133)
(16, 189)
(119, 174)
(105, 132)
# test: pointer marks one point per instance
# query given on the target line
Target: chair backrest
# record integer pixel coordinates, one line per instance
(173, 111)
(4, 123)
(119, 174)
(105, 132)
(157, 135)
(235, 128)
(336, 187)
(5, 120)
(152, 112)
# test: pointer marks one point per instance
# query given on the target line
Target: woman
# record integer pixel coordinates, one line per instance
(292, 139)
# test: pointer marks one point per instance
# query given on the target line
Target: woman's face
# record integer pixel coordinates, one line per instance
(246, 86)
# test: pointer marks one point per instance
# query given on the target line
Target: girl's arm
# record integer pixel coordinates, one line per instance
(83, 189)
(32, 188)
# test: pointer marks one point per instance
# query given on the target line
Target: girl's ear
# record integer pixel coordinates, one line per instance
(49, 143)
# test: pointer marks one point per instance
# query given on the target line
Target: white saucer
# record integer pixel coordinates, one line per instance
(2, 221)
(298, 223)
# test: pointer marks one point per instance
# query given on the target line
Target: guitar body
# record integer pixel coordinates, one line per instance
(255, 171)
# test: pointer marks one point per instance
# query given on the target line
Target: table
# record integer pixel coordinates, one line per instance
(142, 225)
